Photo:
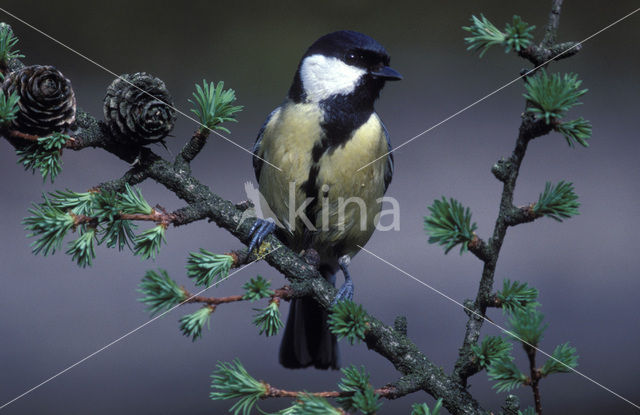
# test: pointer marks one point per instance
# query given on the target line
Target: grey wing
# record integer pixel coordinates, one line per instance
(257, 161)
(388, 171)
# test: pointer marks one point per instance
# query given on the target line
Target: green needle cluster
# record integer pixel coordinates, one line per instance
(44, 155)
(232, 381)
(147, 244)
(191, 324)
(97, 217)
(364, 399)
(7, 42)
(551, 96)
(527, 328)
(506, 375)
(564, 359)
(307, 404)
(268, 319)
(348, 320)
(516, 36)
(516, 295)
(206, 267)
(8, 107)
(160, 291)
(491, 349)
(423, 409)
(557, 202)
(213, 105)
(257, 289)
(449, 225)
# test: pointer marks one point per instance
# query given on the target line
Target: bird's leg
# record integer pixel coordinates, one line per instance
(260, 230)
(345, 293)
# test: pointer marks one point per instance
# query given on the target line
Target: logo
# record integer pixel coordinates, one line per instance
(333, 213)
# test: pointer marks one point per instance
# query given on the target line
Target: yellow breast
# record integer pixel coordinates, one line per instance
(347, 201)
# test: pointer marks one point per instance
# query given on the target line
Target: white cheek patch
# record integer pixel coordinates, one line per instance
(324, 76)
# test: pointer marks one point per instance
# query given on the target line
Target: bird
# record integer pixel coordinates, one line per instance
(307, 159)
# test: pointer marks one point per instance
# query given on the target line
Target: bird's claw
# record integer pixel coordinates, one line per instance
(260, 230)
(345, 293)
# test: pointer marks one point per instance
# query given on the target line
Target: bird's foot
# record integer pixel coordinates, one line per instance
(260, 230)
(345, 293)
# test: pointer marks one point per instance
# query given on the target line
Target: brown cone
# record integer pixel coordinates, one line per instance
(141, 113)
(47, 102)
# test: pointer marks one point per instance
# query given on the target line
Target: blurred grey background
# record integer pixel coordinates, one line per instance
(586, 269)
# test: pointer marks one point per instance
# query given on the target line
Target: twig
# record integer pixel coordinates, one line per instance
(551, 31)
(548, 49)
(539, 55)
(479, 248)
(132, 177)
(158, 216)
(191, 150)
(507, 172)
(465, 367)
(31, 137)
(284, 293)
(385, 392)
(83, 220)
(495, 301)
(534, 377)
(511, 405)
(523, 214)
(419, 373)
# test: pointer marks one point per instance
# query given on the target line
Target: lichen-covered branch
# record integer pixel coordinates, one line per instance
(191, 150)
(551, 31)
(273, 392)
(480, 249)
(548, 49)
(419, 373)
(534, 378)
(509, 169)
(538, 55)
(132, 177)
(31, 137)
(505, 170)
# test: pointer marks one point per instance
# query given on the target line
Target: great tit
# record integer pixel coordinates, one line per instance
(319, 138)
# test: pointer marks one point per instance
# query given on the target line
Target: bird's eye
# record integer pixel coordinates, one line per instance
(351, 57)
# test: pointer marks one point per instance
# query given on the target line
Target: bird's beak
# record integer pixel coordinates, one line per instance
(387, 73)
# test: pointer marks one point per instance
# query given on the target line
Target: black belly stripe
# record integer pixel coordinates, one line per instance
(310, 187)
(342, 116)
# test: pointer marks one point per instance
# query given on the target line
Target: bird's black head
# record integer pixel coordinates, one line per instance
(342, 63)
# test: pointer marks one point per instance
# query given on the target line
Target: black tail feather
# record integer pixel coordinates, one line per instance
(307, 340)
